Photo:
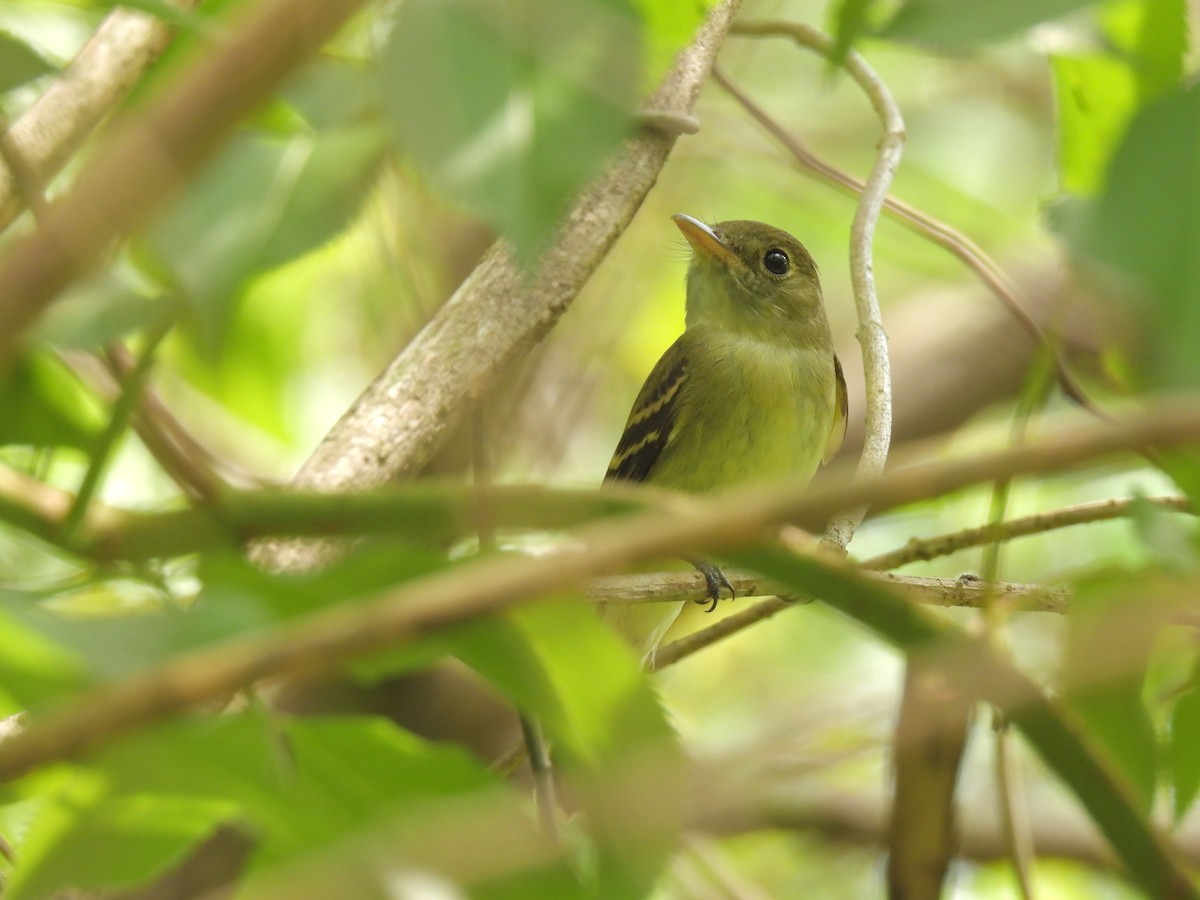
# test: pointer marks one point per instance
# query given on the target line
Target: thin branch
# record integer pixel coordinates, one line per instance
(924, 549)
(394, 428)
(945, 236)
(118, 421)
(172, 446)
(946, 592)
(434, 512)
(147, 159)
(871, 334)
(938, 591)
(92, 86)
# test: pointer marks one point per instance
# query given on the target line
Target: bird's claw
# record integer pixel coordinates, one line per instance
(714, 580)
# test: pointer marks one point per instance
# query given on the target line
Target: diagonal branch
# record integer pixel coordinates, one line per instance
(394, 428)
(145, 160)
(91, 87)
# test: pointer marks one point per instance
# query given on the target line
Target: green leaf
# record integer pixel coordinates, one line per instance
(263, 202)
(1145, 225)
(1110, 635)
(102, 308)
(44, 406)
(1185, 751)
(35, 671)
(1054, 732)
(511, 106)
(237, 599)
(338, 798)
(965, 24)
(1152, 37)
(612, 742)
(19, 63)
(668, 26)
(1096, 95)
(851, 20)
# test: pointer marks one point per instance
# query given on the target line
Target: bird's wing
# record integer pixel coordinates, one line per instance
(841, 414)
(653, 417)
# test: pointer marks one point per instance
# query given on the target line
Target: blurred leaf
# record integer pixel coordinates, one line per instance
(1110, 636)
(559, 663)
(1096, 95)
(263, 202)
(1152, 37)
(1145, 225)
(1057, 736)
(1185, 751)
(35, 671)
(851, 19)
(668, 27)
(102, 308)
(122, 842)
(337, 797)
(19, 63)
(1169, 538)
(511, 106)
(965, 24)
(237, 599)
(331, 92)
(186, 19)
(44, 406)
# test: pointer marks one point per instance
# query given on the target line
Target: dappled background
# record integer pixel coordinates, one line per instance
(317, 244)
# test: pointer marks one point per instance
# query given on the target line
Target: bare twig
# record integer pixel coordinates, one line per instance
(144, 161)
(91, 87)
(923, 549)
(871, 334)
(942, 591)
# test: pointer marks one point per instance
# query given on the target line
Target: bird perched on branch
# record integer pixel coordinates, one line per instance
(751, 391)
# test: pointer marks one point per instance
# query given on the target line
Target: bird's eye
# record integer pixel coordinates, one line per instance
(776, 262)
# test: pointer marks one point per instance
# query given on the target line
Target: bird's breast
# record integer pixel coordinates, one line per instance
(757, 411)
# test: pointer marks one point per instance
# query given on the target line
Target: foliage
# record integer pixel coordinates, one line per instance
(135, 633)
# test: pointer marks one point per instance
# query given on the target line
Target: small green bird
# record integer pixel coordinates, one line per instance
(752, 390)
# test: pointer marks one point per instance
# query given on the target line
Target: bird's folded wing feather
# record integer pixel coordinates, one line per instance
(841, 414)
(653, 417)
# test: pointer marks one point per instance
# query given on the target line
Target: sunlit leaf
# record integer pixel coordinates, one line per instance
(1152, 37)
(510, 106)
(1096, 95)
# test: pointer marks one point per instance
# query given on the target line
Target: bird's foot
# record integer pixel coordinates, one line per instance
(714, 580)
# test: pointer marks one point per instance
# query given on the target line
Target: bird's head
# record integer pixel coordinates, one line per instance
(752, 278)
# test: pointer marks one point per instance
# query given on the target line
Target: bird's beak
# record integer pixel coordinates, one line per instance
(704, 239)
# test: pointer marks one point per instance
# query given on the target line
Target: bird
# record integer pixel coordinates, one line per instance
(751, 391)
